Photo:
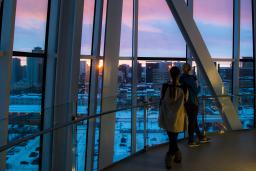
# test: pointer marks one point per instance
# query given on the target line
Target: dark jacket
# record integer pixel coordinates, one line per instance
(189, 81)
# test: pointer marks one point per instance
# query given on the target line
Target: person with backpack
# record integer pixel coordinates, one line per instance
(190, 83)
(172, 114)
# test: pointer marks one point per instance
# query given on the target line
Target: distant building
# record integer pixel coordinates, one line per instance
(157, 72)
(17, 73)
(35, 69)
(150, 69)
(124, 73)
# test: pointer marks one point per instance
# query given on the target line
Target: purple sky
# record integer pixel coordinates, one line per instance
(158, 33)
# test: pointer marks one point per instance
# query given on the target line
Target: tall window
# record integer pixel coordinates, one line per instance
(30, 25)
(215, 22)
(87, 30)
(104, 15)
(126, 30)
(159, 35)
(123, 118)
(82, 109)
(27, 78)
(246, 80)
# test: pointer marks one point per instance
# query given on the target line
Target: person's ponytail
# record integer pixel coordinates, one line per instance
(174, 72)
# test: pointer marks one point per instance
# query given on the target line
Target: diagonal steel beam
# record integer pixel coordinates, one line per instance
(202, 56)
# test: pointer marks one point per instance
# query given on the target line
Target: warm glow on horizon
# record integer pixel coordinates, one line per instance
(100, 66)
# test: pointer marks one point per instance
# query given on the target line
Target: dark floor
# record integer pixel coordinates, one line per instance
(235, 151)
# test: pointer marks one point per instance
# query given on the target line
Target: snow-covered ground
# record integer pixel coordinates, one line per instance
(21, 157)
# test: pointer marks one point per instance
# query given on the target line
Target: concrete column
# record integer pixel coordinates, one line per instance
(54, 8)
(94, 84)
(6, 45)
(66, 84)
(111, 58)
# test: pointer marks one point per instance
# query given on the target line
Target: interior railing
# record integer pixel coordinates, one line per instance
(148, 133)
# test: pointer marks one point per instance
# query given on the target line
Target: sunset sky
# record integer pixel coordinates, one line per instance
(158, 33)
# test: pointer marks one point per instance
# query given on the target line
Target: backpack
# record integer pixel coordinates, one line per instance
(172, 113)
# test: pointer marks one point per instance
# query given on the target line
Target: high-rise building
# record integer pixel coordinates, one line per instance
(16, 70)
(35, 69)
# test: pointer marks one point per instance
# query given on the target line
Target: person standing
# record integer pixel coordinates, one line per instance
(172, 115)
(191, 83)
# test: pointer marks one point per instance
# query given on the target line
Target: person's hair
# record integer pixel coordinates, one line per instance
(186, 68)
(174, 72)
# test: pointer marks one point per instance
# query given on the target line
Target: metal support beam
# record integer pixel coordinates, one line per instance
(7, 35)
(254, 53)
(94, 84)
(236, 52)
(202, 56)
(134, 73)
(50, 82)
(111, 58)
(66, 85)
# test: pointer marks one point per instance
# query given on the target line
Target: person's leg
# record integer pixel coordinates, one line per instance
(173, 146)
(191, 125)
(196, 129)
(169, 154)
(176, 151)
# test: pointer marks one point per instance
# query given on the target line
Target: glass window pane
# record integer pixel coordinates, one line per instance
(246, 100)
(30, 25)
(25, 111)
(87, 30)
(126, 32)
(209, 110)
(246, 41)
(151, 76)
(83, 86)
(123, 118)
(82, 109)
(1, 15)
(159, 35)
(104, 15)
(215, 22)
(225, 71)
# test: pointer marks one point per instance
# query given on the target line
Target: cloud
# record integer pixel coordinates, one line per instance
(217, 12)
(246, 14)
(149, 11)
(31, 14)
(88, 11)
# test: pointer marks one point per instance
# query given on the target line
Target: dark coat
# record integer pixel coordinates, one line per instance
(189, 81)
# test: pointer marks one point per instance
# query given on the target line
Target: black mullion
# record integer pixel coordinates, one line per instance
(1, 15)
(162, 58)
(253, 5)
(29, 54)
